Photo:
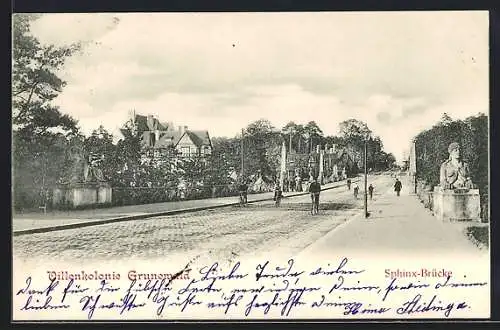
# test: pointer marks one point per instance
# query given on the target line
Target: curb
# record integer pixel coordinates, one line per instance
(145, 216)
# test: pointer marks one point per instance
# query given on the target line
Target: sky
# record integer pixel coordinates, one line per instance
(396, 71)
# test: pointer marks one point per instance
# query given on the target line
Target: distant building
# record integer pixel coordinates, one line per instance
(335, 160)
(163, 139)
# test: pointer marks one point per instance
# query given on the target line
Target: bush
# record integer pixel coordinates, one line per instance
(472, 135)
(479, 235)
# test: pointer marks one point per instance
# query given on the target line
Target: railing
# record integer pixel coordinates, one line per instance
(147, 195)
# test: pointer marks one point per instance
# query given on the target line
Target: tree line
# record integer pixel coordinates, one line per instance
(43, 136)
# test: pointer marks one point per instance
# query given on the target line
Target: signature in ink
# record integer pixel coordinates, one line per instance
(434, 305)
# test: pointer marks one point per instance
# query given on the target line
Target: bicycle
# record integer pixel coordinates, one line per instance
(243, 199)
(277, 201)
(314, 204)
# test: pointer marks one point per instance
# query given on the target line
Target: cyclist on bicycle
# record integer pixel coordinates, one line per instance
(315, 189)
(243, 190)
(356, 190)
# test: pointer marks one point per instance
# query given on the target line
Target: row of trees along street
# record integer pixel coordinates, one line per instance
(42, 136)
(432, 150)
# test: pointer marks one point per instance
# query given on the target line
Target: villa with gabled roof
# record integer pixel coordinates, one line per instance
(163, 137)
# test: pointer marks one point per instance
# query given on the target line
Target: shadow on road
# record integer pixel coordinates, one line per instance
(328, 206)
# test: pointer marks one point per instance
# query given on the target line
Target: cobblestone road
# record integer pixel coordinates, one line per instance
(223, 233)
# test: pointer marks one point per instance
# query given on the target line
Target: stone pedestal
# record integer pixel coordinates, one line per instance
(457, 205)
(79, 195)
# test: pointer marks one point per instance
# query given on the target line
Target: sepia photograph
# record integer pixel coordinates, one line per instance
(250, 166)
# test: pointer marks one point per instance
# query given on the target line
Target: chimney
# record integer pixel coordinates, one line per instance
(179, 128)
(185, 128)
(131, 114)
(151, 122)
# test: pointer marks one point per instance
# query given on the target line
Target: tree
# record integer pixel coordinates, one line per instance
(355, 132)
(299, 129)
(353, 129)
(260, 141)
(289, 130)
(99, 145)
(225, 159)
(34, 80)
(314, 134)
(41, 132)
(472, 135)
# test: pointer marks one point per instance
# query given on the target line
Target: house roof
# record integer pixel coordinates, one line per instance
(168, 138)
(199, 138)
(142, 124)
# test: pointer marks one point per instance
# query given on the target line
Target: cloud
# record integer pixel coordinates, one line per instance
(384, 117)
(61, 29)
(394, 70)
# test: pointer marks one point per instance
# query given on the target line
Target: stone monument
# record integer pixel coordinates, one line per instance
(321, 166)
(83, 185)
(456, 199)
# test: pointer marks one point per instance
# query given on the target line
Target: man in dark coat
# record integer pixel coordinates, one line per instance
(315, 190)
(397, 186)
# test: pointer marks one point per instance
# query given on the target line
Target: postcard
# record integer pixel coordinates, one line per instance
(250, 166)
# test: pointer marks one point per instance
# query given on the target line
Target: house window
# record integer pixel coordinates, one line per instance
(207, 150)
(185, 151)
(152, 139)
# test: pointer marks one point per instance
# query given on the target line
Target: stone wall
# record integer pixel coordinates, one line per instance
(82, 195)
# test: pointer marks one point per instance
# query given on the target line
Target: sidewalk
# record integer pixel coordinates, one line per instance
(397, 225)
(56, 220)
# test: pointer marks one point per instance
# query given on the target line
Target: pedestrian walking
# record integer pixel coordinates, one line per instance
(243, 190)
(298, 184)
(370, 191)
(348, 184)
(397, 186)
(356, 190)
(278, 194)
(314, 190)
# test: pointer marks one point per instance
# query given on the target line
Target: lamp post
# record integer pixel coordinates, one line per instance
(413, 165)
(366, 178)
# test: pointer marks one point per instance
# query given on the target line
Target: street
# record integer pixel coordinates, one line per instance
(221, 233)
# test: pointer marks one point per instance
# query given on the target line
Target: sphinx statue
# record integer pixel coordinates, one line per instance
(454, 173)
(94, 173)
(77, 169)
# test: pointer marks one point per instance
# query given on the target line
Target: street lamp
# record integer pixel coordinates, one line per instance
(367, 138)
